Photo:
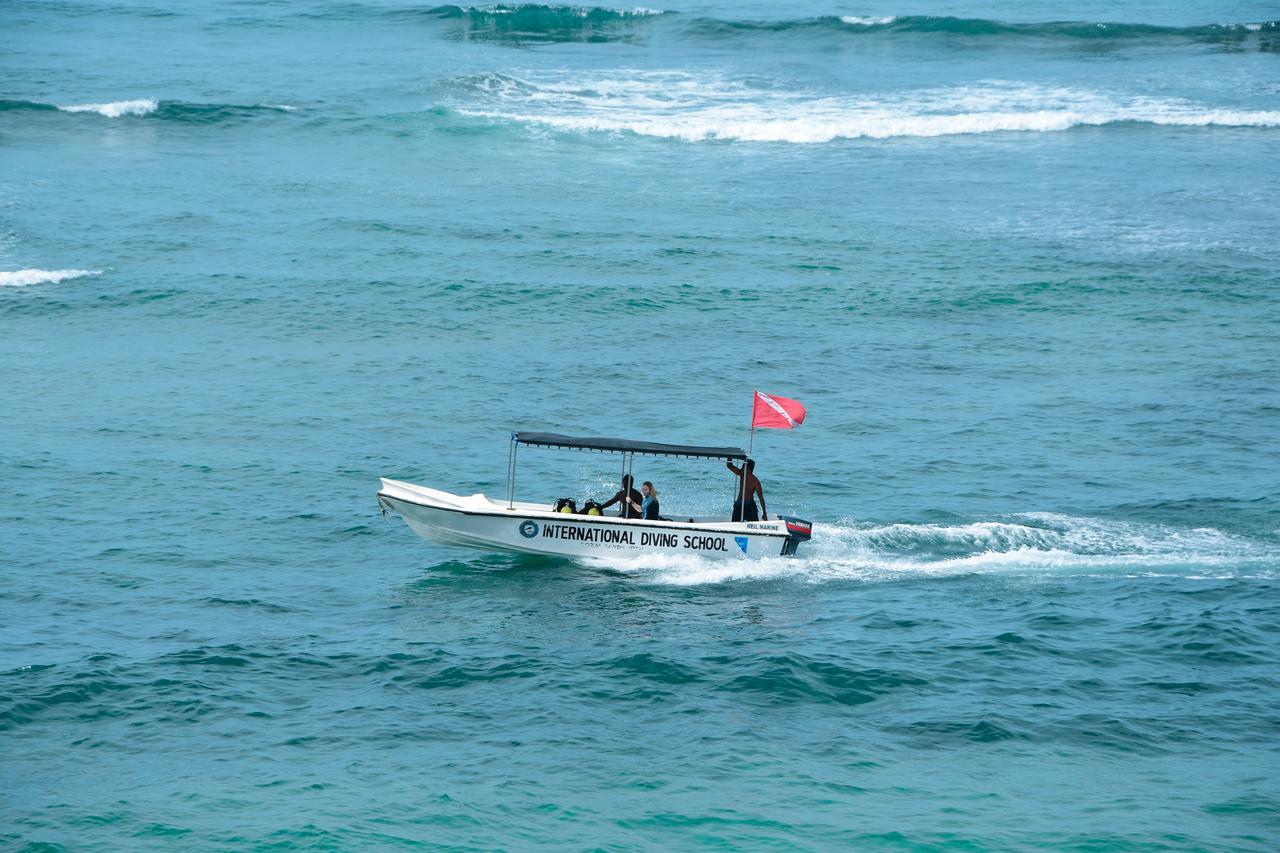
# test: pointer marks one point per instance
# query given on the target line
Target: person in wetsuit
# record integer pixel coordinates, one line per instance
(647, 508)
(625, 496)
(744, 508)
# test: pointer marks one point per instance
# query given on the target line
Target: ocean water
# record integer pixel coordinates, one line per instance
(1021, 261)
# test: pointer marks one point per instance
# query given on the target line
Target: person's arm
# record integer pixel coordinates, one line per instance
(764, 513)
(613, 500)
(737, 472)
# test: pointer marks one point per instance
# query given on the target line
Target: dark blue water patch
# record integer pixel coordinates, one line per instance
(77, 9)
(197, 113)
(651, 668)
(9, 106)
(1251, 516)
(788, 679)
(940, 734)
(216, 601)
(413, 124)
(1052, 725)
(1259, 806)
(514, 667)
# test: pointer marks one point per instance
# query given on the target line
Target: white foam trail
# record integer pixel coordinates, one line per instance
(867, 21)
(287, 108)
(115, 109)
(695, 109)
(23, 278)
(1045, 543)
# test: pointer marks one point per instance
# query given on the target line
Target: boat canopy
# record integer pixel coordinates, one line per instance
(622, 445)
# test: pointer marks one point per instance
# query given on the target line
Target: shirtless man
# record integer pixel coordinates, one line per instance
(744, 508)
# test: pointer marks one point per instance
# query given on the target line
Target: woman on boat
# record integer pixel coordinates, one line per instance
(648, 507)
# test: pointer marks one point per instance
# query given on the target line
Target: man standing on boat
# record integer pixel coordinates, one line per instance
(744, 508)
(626, 496)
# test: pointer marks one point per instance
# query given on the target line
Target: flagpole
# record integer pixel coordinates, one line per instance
(741, 504)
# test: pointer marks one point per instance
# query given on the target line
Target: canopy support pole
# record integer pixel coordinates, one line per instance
(511, 473)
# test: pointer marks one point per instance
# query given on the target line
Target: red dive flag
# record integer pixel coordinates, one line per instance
(776, 412)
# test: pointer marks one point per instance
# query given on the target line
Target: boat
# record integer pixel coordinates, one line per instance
(480, 521)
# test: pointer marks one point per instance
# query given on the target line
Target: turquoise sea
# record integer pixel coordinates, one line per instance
(1020, 260)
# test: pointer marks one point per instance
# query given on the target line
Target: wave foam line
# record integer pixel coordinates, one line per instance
(748, 126)
(689, 108)
(24, 278)
(116, 109)
(182, 111)
(867, 20)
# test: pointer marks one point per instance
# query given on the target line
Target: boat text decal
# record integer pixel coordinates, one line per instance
(616, 536)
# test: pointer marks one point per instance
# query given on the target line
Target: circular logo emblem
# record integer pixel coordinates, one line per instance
(529, 529)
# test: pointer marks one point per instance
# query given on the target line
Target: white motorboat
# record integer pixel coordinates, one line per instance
(538, 528)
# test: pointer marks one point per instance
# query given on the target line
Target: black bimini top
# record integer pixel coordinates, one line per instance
(622, 445)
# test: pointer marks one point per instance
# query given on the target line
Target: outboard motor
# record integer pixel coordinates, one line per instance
(798, 530)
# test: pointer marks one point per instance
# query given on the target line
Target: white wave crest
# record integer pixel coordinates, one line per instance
(1033, 543)
(115, 109)
(868, 21)
(695, 109)
(23, 278)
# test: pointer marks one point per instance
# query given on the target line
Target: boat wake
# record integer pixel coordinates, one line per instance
(1030, 543)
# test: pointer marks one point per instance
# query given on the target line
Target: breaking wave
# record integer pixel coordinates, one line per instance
(1026, 543)
(151, 108)
(24, 278)
(543, 23)
(674, 105)
(844, 25)
(534, 22)
(115, 109)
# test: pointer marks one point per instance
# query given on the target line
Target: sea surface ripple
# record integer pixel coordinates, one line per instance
(1019, 263)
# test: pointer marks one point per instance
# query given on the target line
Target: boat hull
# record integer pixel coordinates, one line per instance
(480, 522)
